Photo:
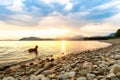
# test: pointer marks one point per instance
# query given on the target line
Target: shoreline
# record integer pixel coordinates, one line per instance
(75, 66)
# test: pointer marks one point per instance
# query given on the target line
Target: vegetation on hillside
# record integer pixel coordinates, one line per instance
(117, 34)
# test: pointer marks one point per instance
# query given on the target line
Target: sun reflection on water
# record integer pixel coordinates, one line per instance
(63, 47)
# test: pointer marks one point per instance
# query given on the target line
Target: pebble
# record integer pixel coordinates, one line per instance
(87, 65)
(63, 76)
(91, 76)
(118, 74)
(118, 62)
(52, 76)
(33, 77)
(71, 74)
(9, 78)
(117, 57)
(40, 76)
(83, 72)
(46, 72)
(104, 66)
(103, 79)
(110, 75)
(45, 79)
(81, 78)
(115, 69)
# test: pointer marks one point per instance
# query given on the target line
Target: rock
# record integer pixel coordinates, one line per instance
(111, 61)
(103, 79)
(48, 65)
(81, 78)
(40, 76)
(118, 62)
(87, 65)
(39, 71)
(46, 72)
(33, 77)
(95, 72)
(100, 77)
(91, 76)
(63, 76)
(115, 69)
(23, 66)
(52, 76)
(104, 66)
(110, 75)
(83, 72)
(117, 57)
(118, 74)
(9, 78)
(71, 74)
(45, 79)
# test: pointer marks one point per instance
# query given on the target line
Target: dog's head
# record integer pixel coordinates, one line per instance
(36, 46)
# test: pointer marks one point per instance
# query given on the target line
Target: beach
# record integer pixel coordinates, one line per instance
(100, 64)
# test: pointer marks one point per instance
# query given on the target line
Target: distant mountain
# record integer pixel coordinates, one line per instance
(76, 37)
(100, 37)
(111, 35)
(33, 39)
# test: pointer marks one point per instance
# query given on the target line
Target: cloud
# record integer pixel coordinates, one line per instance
(107, 5)
(6, 2)
(68, 6)
(114, 19)
(16, 6)
(80, 9)
(101, 29)
(22, 19)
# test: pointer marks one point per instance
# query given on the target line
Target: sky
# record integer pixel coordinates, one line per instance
(58, 18)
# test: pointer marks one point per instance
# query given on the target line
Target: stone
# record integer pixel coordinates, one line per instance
(87, 65)
(83, 72)
(118, 74)
(9, 78)
(45, 79)
(117, 57)
(110, 75)
(48, 65)
(63, 76)
(103, 79)
(104, 66)
(39, 71)
(40, 76)
(46, 72)
(91, 76)
(71, 74)
(118, 62)
(81, 78)
(52, 76)
(33, 77)
(115, 69)
(100, 77)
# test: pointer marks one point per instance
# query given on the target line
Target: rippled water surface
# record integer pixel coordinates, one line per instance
(15, 51)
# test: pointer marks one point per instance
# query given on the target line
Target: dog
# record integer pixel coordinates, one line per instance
(33, 50)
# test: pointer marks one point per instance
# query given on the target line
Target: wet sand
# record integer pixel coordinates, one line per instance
(101, 64)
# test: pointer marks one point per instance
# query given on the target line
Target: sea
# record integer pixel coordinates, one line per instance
(17, 51)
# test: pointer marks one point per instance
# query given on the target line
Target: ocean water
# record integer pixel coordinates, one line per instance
(17, 51)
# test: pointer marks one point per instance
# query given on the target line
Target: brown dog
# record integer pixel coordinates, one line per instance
(34, 50)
